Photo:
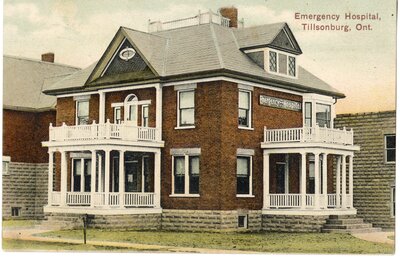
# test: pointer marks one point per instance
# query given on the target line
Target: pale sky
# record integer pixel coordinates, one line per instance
(361, 64)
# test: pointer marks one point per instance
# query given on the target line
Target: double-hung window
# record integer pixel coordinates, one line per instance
(390, 148)
(244, 109)
(82, 112)
(186, 108)
(186, 175)
(323, 115)
(117, 115)
(308, 114)
(145, 116)
(243, 175)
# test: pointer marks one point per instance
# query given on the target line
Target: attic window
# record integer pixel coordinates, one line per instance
(127, 53)
(282, 63)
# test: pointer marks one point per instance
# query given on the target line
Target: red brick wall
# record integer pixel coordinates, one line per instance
(23, 133)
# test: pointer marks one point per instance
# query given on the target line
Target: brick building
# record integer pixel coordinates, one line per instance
(374, 165)
(204, 124)
(27, 113)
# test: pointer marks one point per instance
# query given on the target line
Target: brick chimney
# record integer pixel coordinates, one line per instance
(48, 57)
(230, 13)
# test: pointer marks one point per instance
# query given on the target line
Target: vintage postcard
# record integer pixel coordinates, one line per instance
(218, 127)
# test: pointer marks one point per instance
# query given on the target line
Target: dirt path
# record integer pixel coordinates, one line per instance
(379, 237)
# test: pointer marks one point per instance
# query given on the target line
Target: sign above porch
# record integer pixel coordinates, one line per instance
(280, 103)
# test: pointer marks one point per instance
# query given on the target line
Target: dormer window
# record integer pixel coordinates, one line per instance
(272, 61)
(282, 63)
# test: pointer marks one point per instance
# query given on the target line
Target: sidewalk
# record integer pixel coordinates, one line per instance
(379, 237)
(29, 235)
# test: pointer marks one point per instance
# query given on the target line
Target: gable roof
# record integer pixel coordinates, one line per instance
(24, 79)
(208, 50)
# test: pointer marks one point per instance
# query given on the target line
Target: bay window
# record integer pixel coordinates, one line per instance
(323, 115)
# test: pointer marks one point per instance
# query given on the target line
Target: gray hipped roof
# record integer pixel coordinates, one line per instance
(24, 80)
(204, 49)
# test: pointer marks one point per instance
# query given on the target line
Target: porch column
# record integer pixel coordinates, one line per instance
(303, 180)
(325, 179)
(159, 111)
(50, 183)
(351, 181)
(102, 107)
(107, 176)
(344, 196)
(121, 179)
(93, 178)
(157, 179)
(338, 166)
(317, 190)
(63, 188)
(266, 199)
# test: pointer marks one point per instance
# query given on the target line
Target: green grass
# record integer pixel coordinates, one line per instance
(19, 223)
(391, 237)
(262, 242)
(23, 245)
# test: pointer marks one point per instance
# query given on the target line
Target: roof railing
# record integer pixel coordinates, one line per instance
(200, 18)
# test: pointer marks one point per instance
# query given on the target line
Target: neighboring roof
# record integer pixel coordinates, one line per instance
(23, 80)
(206, 49)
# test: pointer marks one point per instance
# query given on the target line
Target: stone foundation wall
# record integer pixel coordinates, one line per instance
(296, 223)
(122, 222)
(209, 220)
(25, 187)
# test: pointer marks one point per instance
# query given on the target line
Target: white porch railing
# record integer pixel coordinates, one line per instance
(200, 18)
(295, 201)
(309, 134)
(131, 199)
(107, 130)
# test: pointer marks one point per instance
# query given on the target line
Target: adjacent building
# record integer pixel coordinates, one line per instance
(27, 113)
(374, 165)
(204, 124)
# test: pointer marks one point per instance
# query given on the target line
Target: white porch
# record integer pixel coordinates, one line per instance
(317, 143)
(93, 178)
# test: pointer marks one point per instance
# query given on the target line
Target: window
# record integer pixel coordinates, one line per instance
(117, 115)
(323, 115)
(6, 164)
(130, 109)
(272, 61)
(81, 171)
(186, 175)
(82, 112)
(244, 109)
(15, 211)
(292, 66)
(186, 108)
(390, 148)
(242, 221)
(243, 175)
(308, 114)
(393, 201)
(145, 115)
(282, 67)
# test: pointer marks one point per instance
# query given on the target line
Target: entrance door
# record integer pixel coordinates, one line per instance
(280, 177)
(133, 176)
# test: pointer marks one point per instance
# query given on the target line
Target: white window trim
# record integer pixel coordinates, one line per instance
(246, 220)
(250, 127)
(392, 200)
(266, 63)
(148, 115)
(115, 114)
(385, 149)
(76, 109)
(250, 194)
(178, 116)
(7, 159)
(320, 99)
(187, 180)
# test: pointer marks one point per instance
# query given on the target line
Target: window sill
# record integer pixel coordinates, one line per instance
(245, 128)
(245, 196)
(185, 127)
(185, 195)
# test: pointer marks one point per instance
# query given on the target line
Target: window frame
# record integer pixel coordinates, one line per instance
(178, 109)
(186, 188)
(6, 160)
(77, 117)
(268, 57)
(82, 183)
(250, 159)
(145, 119)
(117, 121)
(250, 109)
(386, 148)
(330, 114)
(305, 114)
(393, 201)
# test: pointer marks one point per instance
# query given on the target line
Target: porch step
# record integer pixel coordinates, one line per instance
(347, 224)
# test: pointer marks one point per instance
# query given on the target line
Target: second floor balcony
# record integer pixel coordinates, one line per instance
(124, 132)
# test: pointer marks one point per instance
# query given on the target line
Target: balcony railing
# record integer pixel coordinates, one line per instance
(309, 134)
(295, 200)
(201, 18)
(106, 130)
(131, 199)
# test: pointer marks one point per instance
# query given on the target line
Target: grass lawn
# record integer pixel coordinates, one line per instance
(262, 242)
(23, 245)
